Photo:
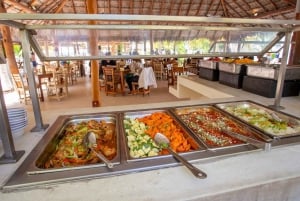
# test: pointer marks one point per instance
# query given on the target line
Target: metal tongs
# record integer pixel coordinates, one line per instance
(256, 143)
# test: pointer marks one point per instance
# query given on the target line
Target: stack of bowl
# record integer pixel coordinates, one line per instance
(17, 117)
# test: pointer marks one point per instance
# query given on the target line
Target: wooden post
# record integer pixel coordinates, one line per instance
(93, 41)
(7, 44)
(295, 43)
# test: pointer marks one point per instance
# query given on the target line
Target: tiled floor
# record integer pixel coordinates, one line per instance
(80, 97)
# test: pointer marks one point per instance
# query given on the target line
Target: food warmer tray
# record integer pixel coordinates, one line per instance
(275, 124)
(211, 126)
(230, 67)
(48, 149)
(292, 73)
(208, 64)
(133, 133)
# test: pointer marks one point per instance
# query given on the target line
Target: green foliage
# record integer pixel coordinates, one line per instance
(17, 49)
(200, 45)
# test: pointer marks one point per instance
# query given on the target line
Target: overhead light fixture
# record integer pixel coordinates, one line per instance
(255, 11)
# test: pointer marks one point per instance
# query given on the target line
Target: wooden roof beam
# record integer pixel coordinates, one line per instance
(142, 7)
(276, 12)
(241, 7)
(224, 8)
(199, 8)
(198, 12)
(19, 6)
(109, 7)
(274, 5)
(231, 8)
(291, 2)
(151, 7)
(120, 6)
(73, 5)
(131, 6)
(170, 10)
(189, 8)
(61, 6)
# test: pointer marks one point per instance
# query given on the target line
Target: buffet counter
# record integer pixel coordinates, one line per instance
(262, 80)
(255, 175)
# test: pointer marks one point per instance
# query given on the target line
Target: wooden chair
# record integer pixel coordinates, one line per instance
(111, 80)
(158, 69)
(22, 87)
(58, 86)
(173, 74)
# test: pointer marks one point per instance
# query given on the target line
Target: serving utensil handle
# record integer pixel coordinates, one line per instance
(198, 173)
(104, 159)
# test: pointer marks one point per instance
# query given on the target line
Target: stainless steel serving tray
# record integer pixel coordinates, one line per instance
(197, 146)
(208, 64)
(50, 147)
(214, 125)
(251, 108)
(230, 68)
(29, 176)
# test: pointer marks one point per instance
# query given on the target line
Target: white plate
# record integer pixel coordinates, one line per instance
(18, 126)
(12, 116)
(18, 132)
(16, 109)
(17, 120)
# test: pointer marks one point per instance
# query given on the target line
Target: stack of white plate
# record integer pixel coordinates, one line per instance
(17, 120)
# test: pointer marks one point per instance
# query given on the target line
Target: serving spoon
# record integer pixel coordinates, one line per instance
(163, 141)
(90, 141)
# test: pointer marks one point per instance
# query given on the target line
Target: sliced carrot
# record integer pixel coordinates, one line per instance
(163, 123)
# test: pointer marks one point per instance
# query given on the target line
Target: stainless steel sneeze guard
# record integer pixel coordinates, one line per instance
(28, 175)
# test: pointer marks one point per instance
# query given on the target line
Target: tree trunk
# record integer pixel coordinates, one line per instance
(8, 45)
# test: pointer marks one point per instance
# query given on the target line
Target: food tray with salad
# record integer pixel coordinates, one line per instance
(270, 122)
(67, 149)
(213, 126)
(140, 128)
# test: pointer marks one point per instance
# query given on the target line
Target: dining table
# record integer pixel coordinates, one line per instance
(41, 76)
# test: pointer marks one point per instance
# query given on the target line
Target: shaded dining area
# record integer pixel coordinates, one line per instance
(52, 81)
(137, 76)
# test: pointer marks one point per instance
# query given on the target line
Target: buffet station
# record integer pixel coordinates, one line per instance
(232, 74)
(262, 80)
(107, 144)
(208, 70)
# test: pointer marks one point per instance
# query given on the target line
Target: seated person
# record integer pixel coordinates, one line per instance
(133, 75)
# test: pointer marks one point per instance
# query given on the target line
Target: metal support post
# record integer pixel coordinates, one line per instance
(10, 154)
(282, 71)
(39, 126)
